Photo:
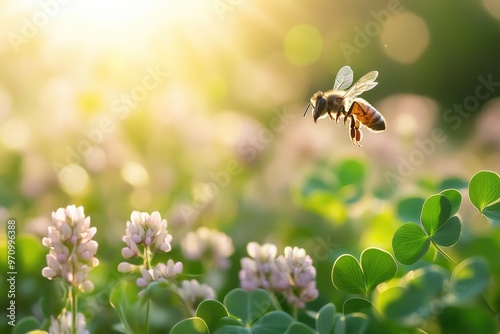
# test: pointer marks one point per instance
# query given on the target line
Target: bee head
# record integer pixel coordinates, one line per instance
(319, 103)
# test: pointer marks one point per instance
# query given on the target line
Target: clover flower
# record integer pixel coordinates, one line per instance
(291, 274)
(297, 266)
(194, 293)
(71, 248)
(160, 273)
(63, 324)
(256, 271)
(212, 243)
(148, 231)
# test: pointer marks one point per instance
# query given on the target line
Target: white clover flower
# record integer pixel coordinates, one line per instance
(71, 248)
(302, 274)
(125, 267)
(63, 324)
(147, 230)
(161, 272)
(212, 243)
(194, 293)
(291, 274)
(167, 271)
(256, 271)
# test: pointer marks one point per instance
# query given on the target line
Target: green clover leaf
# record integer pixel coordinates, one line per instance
(193, 325)
(484, 193)
(211, 311)
(376, 266)
(247, 305)
(439, 226)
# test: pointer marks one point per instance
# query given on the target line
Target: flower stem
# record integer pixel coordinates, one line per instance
(147, 315)
(147, 264)
(187, 306)
(275, 301)
(147, 258)
(74, 311)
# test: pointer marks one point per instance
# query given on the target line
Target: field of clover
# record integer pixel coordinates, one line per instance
(435, 277)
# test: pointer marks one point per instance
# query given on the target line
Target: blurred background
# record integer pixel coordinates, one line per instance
(194, 108)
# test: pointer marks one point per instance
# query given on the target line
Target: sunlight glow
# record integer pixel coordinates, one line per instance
(405, 38)
(303, 44)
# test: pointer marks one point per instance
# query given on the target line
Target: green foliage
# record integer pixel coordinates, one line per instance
(242, 312)
(211, 311)
(351, 276)
(409, 209)
(392, 298)
(27, 325)
(190, 326)
(247, 306)
(326, 318)
(54, 298)
(360, 305)
(330, 322)
(469, 278)
(131, 311)
(430, 290)
(467, 320)
(484, 193)
(455, 198)
(410, 295)
(272, 322)
(328, 189)
(299, 328)
(440, 227)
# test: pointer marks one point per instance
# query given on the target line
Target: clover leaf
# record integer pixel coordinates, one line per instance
(192, 325)
(376, 266)
(439, 226)
(484, 193)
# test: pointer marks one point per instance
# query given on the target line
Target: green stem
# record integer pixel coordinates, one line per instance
(147, 264)
(187, 305)
(275, 301)
(446, 256)
(74, 310)
(488, 306)
(147, 258)
(147, 315)
(295, 312)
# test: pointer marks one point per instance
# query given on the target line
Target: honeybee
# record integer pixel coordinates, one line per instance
(343, 102)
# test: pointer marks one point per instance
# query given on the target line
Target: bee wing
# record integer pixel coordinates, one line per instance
(344, 78)
(366, 82)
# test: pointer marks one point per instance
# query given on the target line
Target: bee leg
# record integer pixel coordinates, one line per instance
(355, 132)
(331, 118)
(341, 112)
(337, 118)
(348, 113)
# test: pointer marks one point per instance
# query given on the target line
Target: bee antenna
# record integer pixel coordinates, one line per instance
(307, 108)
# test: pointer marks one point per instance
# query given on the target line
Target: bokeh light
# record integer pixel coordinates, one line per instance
(303, 44)
(405, 38)
(493, 7)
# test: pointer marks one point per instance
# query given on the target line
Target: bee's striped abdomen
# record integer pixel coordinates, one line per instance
(367, 114)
